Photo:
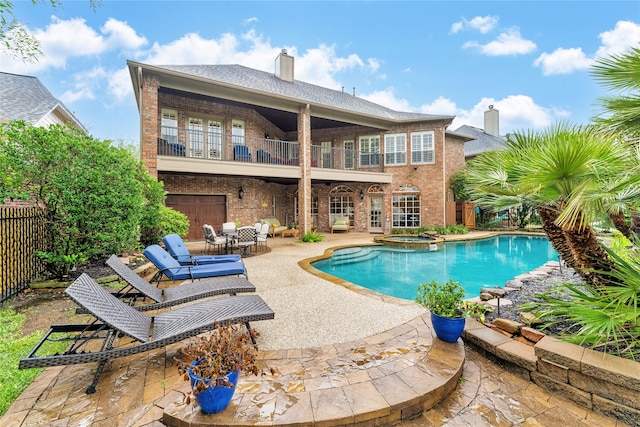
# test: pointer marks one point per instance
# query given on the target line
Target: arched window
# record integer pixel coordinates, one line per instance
(340, 203)
(406, 207)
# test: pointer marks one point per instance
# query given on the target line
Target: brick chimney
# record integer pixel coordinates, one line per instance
(284, 66)
(492, 121)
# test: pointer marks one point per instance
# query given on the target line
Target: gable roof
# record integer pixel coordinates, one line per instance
(26, 98)
(267, 84)
(481, 141)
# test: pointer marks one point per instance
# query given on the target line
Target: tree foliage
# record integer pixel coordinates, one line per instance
(572, 175)
(95, 197)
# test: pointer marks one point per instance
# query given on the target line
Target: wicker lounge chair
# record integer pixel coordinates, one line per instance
(172, 270)
(139, 289)
(175, 246)
(94, 342)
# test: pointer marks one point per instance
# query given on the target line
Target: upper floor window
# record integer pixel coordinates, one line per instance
(395, 149)
(237, 131)
(349, 154)
(422, 148)
(369, 151)
(169, 125)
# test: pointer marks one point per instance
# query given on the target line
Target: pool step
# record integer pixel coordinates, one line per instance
(354, 255)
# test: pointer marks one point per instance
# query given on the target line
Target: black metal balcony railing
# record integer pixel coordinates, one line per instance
(179, 142)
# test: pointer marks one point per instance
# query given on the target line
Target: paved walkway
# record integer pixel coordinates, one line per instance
(322, 384)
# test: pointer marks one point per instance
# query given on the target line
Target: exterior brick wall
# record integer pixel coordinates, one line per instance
(431, 179)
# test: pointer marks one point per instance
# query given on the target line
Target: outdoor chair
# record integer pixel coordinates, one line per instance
(211, 239)
(179, 251)
(172, 270)
(341, 223)
(94, 342)
(245, 239)
(137, 288)
(263, 234)
(241, 153)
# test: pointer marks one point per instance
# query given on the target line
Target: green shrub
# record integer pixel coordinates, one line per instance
(172, 221)
(97, 199)
(312, 237)
(443, 299)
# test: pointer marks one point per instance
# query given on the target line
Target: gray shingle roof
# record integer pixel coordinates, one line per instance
(26, 98)
(482, 141)
(269, 83)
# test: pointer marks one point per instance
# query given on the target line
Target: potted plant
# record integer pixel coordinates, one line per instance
(212, 364)
(444, 301)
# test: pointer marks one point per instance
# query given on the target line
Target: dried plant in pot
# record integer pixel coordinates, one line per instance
(212, 363)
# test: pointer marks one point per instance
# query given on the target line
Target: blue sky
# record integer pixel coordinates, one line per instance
(530, 59)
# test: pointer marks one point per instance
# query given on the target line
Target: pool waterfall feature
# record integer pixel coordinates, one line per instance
(424, 241)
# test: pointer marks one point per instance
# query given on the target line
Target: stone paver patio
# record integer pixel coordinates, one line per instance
(383, 379)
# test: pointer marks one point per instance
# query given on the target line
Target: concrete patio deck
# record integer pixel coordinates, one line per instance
(350, 373)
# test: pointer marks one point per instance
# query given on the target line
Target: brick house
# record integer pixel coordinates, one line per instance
(233, 142)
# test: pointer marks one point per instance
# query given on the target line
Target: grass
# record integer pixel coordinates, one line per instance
(14, 347)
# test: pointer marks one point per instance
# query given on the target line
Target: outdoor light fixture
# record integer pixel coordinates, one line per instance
(361, 195)
(240, 193)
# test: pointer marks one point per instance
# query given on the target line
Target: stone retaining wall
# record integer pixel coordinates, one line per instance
(592, 379)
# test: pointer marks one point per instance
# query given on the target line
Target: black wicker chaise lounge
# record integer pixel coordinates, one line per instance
(138, 288)
(94, 342)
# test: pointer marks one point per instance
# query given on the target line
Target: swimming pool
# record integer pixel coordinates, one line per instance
(474, 263)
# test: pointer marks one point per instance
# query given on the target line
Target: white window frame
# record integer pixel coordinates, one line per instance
(369, 150)
(195, 136)
(214, 139)
(237, 132)
(349, 161)
(395, 149)
(423, 148)
(406, 210)
(169, 125)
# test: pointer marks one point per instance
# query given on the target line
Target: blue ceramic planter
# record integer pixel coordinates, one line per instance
(448, 329)
(214, 399)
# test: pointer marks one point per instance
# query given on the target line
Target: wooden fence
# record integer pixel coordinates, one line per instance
(22, 233)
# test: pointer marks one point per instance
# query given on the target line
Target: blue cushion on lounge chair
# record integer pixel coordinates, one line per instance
(179, 251)
(171, 268)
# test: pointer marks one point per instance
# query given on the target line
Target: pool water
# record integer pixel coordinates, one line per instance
(474, 264)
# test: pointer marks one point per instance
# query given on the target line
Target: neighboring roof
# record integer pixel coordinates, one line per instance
(481, 141)
(26, 98)
(244, 78)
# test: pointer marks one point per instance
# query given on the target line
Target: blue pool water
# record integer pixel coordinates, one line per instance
(474, 263)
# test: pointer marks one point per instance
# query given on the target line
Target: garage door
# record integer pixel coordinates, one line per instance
(200, 209)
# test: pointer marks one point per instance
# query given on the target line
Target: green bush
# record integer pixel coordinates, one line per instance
(172, 221)
(443, 299)
(93, 195)
(312, 237)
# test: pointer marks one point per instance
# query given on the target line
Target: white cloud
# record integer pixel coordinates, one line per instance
(441, 106)
(484, 24)
(63, 40)
(626, 34)
(387, 98)
(517, 113)
(507, 43)
(562, 61)
(85, 85)
(120, 35)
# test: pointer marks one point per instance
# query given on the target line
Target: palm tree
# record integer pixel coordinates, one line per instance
(621, 112)
(569, 173)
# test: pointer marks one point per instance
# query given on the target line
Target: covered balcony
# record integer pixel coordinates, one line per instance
(189, 150)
